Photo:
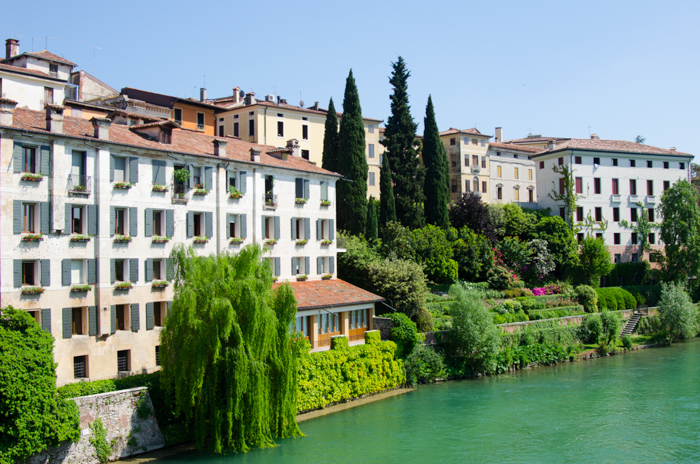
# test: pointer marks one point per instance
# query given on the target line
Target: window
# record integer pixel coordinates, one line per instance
(235, 129)
(197, 176)
(305, 154)
(483, 162)
(616, 238)
(634, 238)
(251, 127)
(633, 186)
(541, 164)
(483, 143)
(370, 128)
(598, 214)
(529, 174)
(466, 160)
(370, 148)
(251, 113)
(159, 313)
(499, 173)
(618, 258)
(166, 135)
(614, 161)
(596, 185)
(53, 70)
(200, 121)
(28, 217)
(516, 193)
(158, 355)
(652, 239)
(596, 161)
(29, 273)
(635, 257)
(651, 214)
(516, 173)
(29, 160)
(514, 156)
(269, 227)
(560, 161)
(178, 115)
(562, 213)
(579, 185)
(119, 169)
(475, 160)
(197, 224)
(561, 186)
(305, 132)
(48, 95)
(158, 269)
(466, 140)
(371, 179)
(123, 360)
(301, 229)
(499, 192)
(221, 131)
(681, 165)
(633, 163)
(120, 270)
(665, 164)
(158, 222)
(667, 185)
(475, 185)
(579, 238)
(616, 214)
(300, 266)
(633, 214)
(122, 313)
(475, 142)
(280, 128)
(579, 213)
(577, 160)
(454, 187)
(80, 364)
(119, 221)
(531, 196)
(598, 235)
(78, 321)
(650, 187)
(650, 164)
(467, 186)
(484, 188)
(616, 186)
(77, 276)
(453, 141)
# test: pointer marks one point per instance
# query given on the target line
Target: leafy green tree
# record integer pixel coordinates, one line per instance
(330, 140)
(372, 232)
(227, 351)
(560, 243)
(471, 212)
(474, 255)
(594, 261)
(541, 261)
(695, 174)
(497, 220)
(680, 232)
(32, 416)
(387, 206)
(437, 172)
(611, 326)
(353, 264)
(404, 333)
(642, 229)
(402, 282)
(434, 252)
(403, 151)
(568, 195)
(474, 338)
(518, 223)
(677, 313)
(351, 192)
(515, 254)
(397, 242)
(424, 365)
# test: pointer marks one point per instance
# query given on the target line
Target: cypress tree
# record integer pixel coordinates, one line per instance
(437, 172)
(330, 140)
(387, 207)
(352, 164)
(372, 232)
(403, 151)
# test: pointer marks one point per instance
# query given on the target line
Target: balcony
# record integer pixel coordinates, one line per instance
(634, 199)
(179, 193)
(269, 201)
(476, 169)
(615, 198)
(651, 200)
(79, 185)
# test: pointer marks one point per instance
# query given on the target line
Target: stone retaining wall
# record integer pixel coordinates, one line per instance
(572, 320)
(128, 433)
(383, 325)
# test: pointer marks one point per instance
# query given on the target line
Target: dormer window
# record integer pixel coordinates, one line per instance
(166, 135)
(53, 70)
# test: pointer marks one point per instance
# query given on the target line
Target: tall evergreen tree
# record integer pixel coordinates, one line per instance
(403, 151)
(372, 232)
(387, 207)
(352, 164)
(330, 140)
(437, 172)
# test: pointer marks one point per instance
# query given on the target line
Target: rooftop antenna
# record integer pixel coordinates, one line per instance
(94, 58)
(589, 131)
(33, 39)
(47, 41)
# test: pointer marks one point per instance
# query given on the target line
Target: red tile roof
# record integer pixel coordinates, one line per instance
(536, 139)
(47, 55)
(228, 101)
(183, 141)
(30, 72)
(329, 293)
(612, 145)
(454, 130)
(511, 146)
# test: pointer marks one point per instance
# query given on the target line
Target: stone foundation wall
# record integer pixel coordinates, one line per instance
(120, 413)
(383, 325)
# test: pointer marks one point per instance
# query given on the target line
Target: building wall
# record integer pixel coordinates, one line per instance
(189, 117)
(28, 91)
(505, 177)
(372, 138)
(460, 173)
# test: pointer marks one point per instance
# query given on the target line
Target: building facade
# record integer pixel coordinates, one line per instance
(467, 155)
(512, 174)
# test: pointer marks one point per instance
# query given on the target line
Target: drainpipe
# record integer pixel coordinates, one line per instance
(265, 126)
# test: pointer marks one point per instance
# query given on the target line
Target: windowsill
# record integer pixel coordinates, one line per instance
(80, 336)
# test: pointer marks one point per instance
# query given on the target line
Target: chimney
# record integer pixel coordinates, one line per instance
(54, 118)
(11, 48)
(672, 148)
(293, 146)
(7, 110)
(101, 126)
(255, 155)
(499, 135)
(315, 107)
(236, 95)
(283, 101)
(202, 94)
(552, 144)
(250, 98)
(220, 148)
(595, 137)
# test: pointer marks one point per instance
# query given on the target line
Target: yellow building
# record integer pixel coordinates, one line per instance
(467, 155)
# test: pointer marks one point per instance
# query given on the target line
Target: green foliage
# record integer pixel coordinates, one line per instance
(404, 333)
(568, 196)
(32, 416)
(473, 213)
(587, 297)
(560, 243)
(544, 354)
(402, 282)
(328, 377)
(424, 321)
(626, 342)
(518, 223)
(642, 229)
(372, 232)
(677, 314)
(541, 261)
(437, 171)
(143, 409)
(397, 242)
(591, 329)
(353, 264)
(611, 322)
(424, 365)
(473, 254)
(629, 274)
(646, 295)
(226, 350)
(594, 261)
(330, 139)
(340, 342)
(508, 318)
(181, 176)
(434, 252)
(615, 299)
(387, 205)
(497, 220)
(515, 254)
(352, 196)
(561, 311)
(500, 278)
(403, 151)
(544, 332)
(98, 440)
(373, 337)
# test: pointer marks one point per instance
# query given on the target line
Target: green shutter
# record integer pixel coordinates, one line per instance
(149, 316)
(242, 182)
(135, 322)
(148, 223)
(92, 219)
(45, 272)
(67, 322)
(170, 223)
(243, 226)
(294, 228)
(45, 225)
(307, 228)
(277, 227)
(134, 270)
(306, 188)
(209, 224)
(17, 217)
(133, 170)
(111, 168)
(299, 190)
(46, 319)
(17, 158)
(92, 320)
(149, 269)
(69, 219)
(112, 221)
(112, 270)
(208, 177)
(45, 162)
(92, 271)
(65, 272)
(133, 221)
(331, 229)
(17, 272)
(190, 224)
(331, 265)
(113, 318)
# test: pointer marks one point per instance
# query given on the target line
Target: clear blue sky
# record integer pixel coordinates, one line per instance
(553, 68)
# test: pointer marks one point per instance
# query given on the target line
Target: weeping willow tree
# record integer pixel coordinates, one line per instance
(226, 350)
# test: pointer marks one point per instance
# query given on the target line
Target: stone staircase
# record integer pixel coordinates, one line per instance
(631, 324)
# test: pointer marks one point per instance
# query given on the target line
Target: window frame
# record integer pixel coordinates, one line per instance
(30, 152)
(29, 218)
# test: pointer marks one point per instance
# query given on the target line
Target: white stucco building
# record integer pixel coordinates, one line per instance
(513, 174)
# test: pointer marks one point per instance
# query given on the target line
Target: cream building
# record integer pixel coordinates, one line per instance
(513, 174)
(467, 155)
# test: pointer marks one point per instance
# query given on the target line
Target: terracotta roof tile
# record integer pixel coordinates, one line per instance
(227, 101)
(612, 145)
(328, 293)
(47, 55)
(538, 139)
(454, 130)
(31, 72)
(512, 146)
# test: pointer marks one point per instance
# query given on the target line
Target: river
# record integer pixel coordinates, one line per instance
(643, 407)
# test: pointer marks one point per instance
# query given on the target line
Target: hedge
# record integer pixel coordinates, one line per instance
(548, 332)
(615, 299)
(650, 294)
(334, 376)
(562, 311)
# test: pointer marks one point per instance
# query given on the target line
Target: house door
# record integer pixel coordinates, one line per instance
(357, 321)
(329, 326)
(78, 165)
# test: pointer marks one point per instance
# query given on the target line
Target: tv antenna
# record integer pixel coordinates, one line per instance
(33, 39)
(94, 58)
(47, 41)
(589, 131)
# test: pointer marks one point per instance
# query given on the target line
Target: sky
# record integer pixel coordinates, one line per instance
(557, 68)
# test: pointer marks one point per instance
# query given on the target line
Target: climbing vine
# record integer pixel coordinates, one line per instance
(568, 194)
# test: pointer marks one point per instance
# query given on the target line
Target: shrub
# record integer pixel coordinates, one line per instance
(424, 321)
(590, 329)
(434, 252)
(627, 342)
(587, 297)
(403, 282)
(563, 311)
(611, 326)
(508, 318)
(424, 365)
(677, 314)
(404, 333)
(650, 293)
(500, 278)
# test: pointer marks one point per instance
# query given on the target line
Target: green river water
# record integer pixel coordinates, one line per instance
(643, 407)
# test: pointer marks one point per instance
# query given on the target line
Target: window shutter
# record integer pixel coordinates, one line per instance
(209, 224)
(243, 226)
(45, 165)
(65, 272)
(319, 265)
(331, 229)
(295, 264)
(190, 181)
(158, 172)
(149, 316)
(148, 223)
(67, 322)
(307, 228)
(113, 318)
(170, 223)
(45, 272)
(149, 269)
(208, 178)
(229, 218)
(307, 265)
(69, 216)
(319, 225)
(242, 182)
(45, 227)
(299, 187)
(92, 320)
(92, 219)
(294, 229)
(170, 307)
(17, 158)
(277, 227)
(331, 265)
(134, 270)
(17, 272)
(277, 266)
(133, 170)
(324, 190)
(17, 217)
(135, 322)
(112, 272)
(92, 271)
(111, 168)
(133, 221)
(306, 188)
(169, 271)
(46, 319)
(262, 229)
(190, 224)
(112, 221)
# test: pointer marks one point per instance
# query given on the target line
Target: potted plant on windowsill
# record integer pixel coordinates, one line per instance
(160, 239)
(302, 278)
(236, 241)
(160, 283)
(79, 188)
(326, 242)
(32, 290)
(32, 238)
(159, 188)
(123, 185)
(123, 285)
(234, 193)
(80, 288)
(301, 201)
(271, 241)
(80, 238)
(122, 238)
(325, 202)
(31, 177)
(200, 190)
(327, 277)
(302, 242)
(201, 239)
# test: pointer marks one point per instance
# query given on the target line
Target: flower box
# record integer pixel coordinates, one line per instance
(302, 278)
(123, 185)
(80, 288)
(234, 193)
(160, 239)
(271, 241)
(159, 188)
(122, 238)
(160, 283)
(79, 188)
(80, 238)
(33, 290)
(32, 238)
(325, 202)
(327, 277)
(326, 242)
(31, 177)
(302, 242)
(301, 201)
(123, 286)
(199, 191)
(237, 241)
(201, 239)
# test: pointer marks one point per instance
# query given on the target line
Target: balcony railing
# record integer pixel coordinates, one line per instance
(269, 201)
(179, 192)
(616, 198)
(651, 200)
(476, 169)
(79, 184)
